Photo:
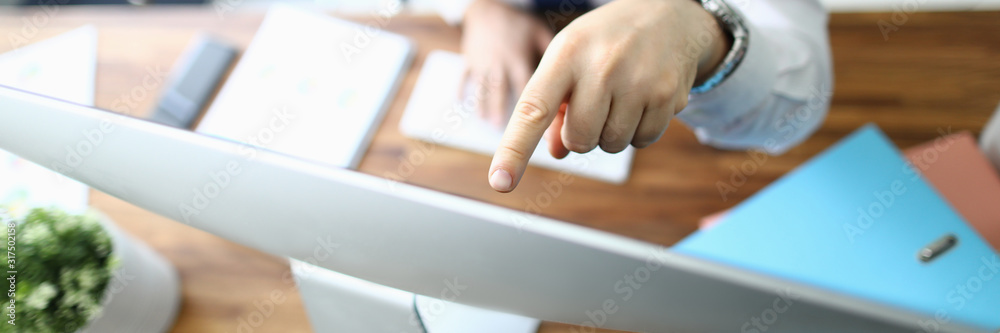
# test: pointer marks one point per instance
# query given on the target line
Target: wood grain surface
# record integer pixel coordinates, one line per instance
(938, 72)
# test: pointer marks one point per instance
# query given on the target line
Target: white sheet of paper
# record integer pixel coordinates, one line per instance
(63, 67)
(435, 114)
(310, 86)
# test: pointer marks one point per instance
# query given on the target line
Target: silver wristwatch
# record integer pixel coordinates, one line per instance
(732, 21)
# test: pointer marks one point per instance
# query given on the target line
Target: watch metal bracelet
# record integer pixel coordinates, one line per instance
(733, 22)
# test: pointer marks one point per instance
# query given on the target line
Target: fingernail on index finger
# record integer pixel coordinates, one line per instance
(501, 180)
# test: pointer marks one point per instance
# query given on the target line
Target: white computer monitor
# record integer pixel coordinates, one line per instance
(416, 239)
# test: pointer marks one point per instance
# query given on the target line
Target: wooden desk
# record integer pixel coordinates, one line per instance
(938, 72)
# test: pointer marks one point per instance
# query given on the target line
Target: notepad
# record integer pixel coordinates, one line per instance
(311, 86)
(852, 220)
(438, 113)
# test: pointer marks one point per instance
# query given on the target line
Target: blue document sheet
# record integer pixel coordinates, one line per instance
(852, 220)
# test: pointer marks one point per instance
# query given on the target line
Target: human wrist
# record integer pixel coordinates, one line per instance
(720, 43)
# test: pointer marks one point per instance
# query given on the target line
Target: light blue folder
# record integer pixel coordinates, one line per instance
(852, 221)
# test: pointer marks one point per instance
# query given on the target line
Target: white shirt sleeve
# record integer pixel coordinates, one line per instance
(989, 139)
(780, 92)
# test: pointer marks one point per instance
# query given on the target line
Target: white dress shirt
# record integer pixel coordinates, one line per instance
(989, 140)
(780, 92)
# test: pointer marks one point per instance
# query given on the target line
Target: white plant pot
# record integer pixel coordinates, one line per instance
(144, 292)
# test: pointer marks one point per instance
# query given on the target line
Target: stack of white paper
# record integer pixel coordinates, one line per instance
(310, 86)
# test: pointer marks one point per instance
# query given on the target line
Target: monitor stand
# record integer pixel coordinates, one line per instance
(339, 303)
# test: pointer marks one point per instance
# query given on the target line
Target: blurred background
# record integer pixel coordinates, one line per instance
(424, 5)
(937, 76)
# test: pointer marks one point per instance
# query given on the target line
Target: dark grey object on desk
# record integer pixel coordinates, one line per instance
(192, 82)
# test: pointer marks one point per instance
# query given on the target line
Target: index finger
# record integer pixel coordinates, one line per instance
(535, 110)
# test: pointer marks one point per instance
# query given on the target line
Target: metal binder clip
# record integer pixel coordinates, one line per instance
(938, 247)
